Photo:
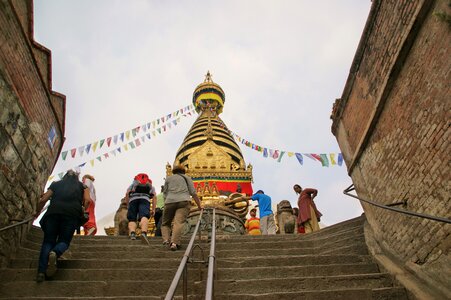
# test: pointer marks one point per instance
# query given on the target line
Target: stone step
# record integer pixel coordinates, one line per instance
(153, 287)
(100, 274)
(36, 235)
(91, 289)
(299, 241)
(331, 230)
(100, 240)
(296, 271)
(104, 274)
(296, 284)
(134, 263)
(110, 252)
(260, 244)
(242, 262)
(330, 264)
(292, 260)
(250, 243)
(285, 250)
(163, 252)
(339, 294)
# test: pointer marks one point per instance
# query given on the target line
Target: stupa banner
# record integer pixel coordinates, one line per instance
(225, 185)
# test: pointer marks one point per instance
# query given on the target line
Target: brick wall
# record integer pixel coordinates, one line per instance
(30, 109)
(393, 126)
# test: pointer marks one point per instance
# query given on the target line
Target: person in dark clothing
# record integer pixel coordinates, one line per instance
(67, 198)
(159, 212)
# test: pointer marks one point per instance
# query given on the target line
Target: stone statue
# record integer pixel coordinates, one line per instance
(214, 189)
(168, 169)
(286, 221)
(120, 219)
(207, 191)
(199, 189)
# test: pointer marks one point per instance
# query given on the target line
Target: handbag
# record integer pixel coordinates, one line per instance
(83, 218)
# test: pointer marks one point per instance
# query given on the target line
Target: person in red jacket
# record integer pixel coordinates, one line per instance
(309, 215)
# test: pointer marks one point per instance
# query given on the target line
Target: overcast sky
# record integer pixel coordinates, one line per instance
(281, 65)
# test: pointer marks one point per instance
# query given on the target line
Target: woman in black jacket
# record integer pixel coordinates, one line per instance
(60, 221)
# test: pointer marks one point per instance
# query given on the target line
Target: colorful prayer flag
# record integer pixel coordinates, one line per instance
(81, 149)
(324, 160)
(332, 159)
(280, 157)
(299, 157)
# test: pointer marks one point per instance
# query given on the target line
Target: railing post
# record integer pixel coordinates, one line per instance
(182, 267)
(209, 292)
(185, 283)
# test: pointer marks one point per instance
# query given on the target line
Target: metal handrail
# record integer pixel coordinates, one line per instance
(16, 224)
(407, 212)
(23, 221)
(209, 292)
(182, 267)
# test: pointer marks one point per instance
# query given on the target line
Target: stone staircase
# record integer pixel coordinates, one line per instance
(330, 264)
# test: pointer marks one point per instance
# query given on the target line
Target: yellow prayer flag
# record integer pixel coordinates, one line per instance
(290, 154)
(332, 158)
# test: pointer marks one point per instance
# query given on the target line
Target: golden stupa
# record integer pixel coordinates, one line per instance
(214, 161)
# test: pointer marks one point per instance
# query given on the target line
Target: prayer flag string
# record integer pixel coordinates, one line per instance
(130, 134)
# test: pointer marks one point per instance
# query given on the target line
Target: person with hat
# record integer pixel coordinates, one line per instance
(252, 224)
(267, 224)
(178, 190)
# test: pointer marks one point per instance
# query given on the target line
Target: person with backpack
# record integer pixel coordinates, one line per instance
(178, 190)
(138, 198)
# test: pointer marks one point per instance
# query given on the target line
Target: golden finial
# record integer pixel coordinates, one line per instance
(208, 77)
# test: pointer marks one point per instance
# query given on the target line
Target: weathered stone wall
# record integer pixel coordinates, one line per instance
(393, 126)
(29, 111)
